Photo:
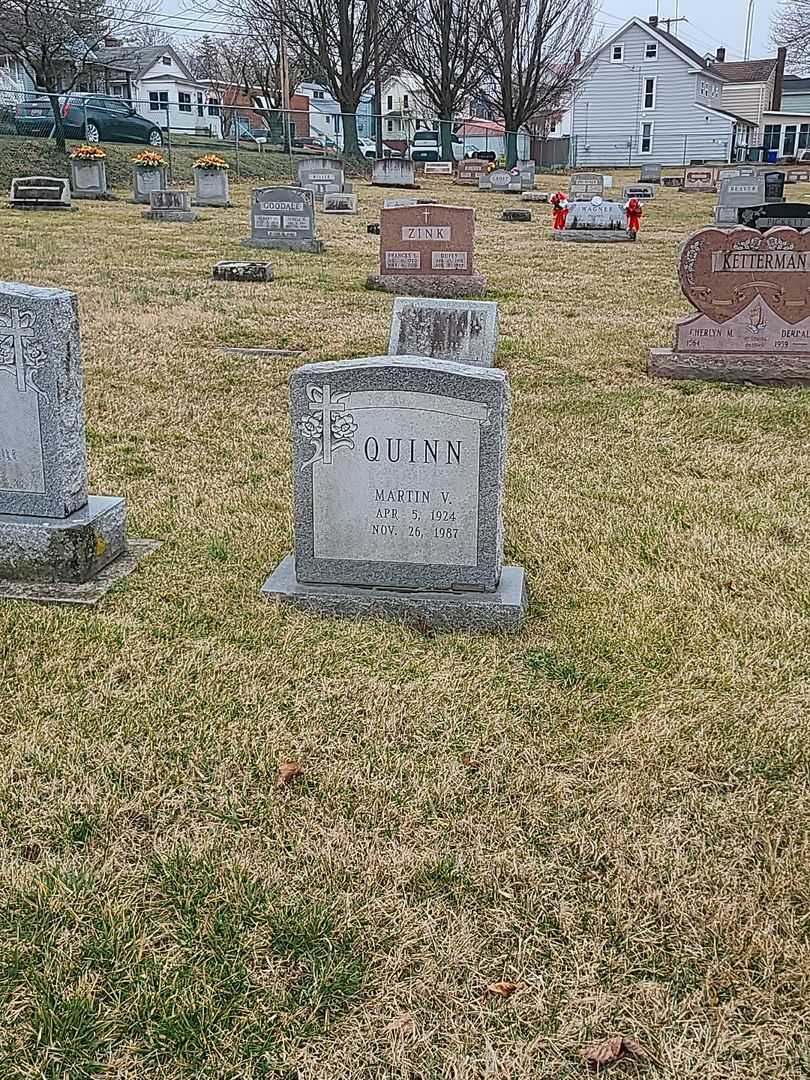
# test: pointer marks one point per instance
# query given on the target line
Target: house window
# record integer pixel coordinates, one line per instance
(649, 93)
(405, 101)
(789, 147)
(804, 136)
(389, 125)
(390, 103)
(200, 109)
(646, 139)
(213, 107)
(318, 95)
(167, 60)
(184, 102)
(651, 50)
(773, 136)
(617, 54)
(158, 100)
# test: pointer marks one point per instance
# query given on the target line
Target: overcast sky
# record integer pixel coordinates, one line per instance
(711, 22)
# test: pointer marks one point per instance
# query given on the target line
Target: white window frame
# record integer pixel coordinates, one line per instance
(620, 58)
(651, 45)
(184, 101)
(651, 125)
(644, 106)
(166, 60)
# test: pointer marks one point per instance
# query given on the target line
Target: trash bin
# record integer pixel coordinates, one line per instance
(772, 156)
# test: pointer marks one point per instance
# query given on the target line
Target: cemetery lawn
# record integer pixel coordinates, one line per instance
(609, 811)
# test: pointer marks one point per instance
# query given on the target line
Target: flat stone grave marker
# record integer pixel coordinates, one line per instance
(516, 215)
(774, 187)
(507, 183)
(672, 181)
(427, 250)
(699, 180)
(245, 271)
(798, 176)
(399, 200)
(398, 469)
(771, 215)
(40, 193)
(394, 172)
(586, 185)
(639, 191)
(283, 218)
(438, 168)
(469, 170)
(595, 221)
(650, 173)
(462, 331)
(321, 176)
(753, 321)
(170, 206)
(338, 202)
(54, 536)
(536, 196)
(735, 192)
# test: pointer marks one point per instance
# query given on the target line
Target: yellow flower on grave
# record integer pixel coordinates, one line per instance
(88, 153)
(211, 161)
(149, 159)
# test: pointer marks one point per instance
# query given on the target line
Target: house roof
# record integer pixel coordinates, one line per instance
(745, 71)
(795, 84)
(682, 47)
(725, 114)
(137, 58)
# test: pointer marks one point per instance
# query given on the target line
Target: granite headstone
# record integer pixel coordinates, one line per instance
(463, 331)
(283, 218)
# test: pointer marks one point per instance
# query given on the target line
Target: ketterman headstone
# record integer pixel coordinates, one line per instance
(595, 221)
(53, 534)
(393, 172)
(321, 176)
(753, 321)
(586, 185)
(170, 206)
(469, 170)
(428, 251)
(499, 180)
(696, 179)
(768, 216)
(283, 218)
(40, 193)
(736, 192)
(639, 191)
(650, 173)
(462, 331)
(398, 473)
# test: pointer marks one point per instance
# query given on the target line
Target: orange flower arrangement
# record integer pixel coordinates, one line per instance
(211, 161)
(88, 153)
(149, 159)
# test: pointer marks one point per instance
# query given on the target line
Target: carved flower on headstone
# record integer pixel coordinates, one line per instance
(311, 427)
(343, 426)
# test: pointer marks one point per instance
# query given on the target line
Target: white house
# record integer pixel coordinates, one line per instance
(325, 119)
(647, 96)
(159, 84)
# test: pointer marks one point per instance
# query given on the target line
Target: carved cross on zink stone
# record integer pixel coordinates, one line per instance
(15, 331)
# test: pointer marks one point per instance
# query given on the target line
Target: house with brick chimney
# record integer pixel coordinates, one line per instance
(647, 96)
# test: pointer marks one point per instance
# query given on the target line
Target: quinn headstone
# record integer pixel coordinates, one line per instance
(753, 321)
(398, 471)
(283, 218)
(462, 331)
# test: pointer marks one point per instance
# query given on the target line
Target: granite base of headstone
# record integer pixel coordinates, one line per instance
(428, 251)
(283, 219)
(56, 540)
(398, 471)
(753, 321)
(40, 193)
(461, 331)
(595, 221)
(516, 215)
(243, 271)
(170, 206)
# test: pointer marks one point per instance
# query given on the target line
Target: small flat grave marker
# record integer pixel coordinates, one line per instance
(338, 202)
(438, 168)
(40, 193)
(639, 191)
(170, 206)
(462, 331)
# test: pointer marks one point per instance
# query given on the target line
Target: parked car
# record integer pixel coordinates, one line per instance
(426, 146)
(90, 117)
(368, 148)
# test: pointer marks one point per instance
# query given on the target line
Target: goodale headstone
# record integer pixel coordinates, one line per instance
(774, 187)
(753, 321)
(696, 179)
(595, 221)
(398, 471)
(393, 172)
(736, 192)
(321, 176)
(469, 170)
(639, 191)
(283, 218)
(40, 193)
(170, 206)
(54, 537)
(462, 331)
(769, 216)
(428, 251)
(338, 202)
(650, 173)
(586, 185)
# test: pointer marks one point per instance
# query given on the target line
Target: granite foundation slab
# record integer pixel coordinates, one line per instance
(502, 611)
(72, 549)
(88, 593)
(761, 369)
(472, 285)
(243, 271)
(593, 236)
(171, 215)
(312, 247)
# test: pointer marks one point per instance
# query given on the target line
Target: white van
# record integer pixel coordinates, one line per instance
(426, 146)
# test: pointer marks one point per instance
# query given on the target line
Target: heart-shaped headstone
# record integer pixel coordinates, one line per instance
(722, 270)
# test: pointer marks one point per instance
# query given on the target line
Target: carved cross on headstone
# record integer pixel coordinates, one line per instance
(15, 330)
(426, 215)
(324, 405)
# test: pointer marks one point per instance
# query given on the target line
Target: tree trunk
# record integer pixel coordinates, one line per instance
(351, 147)
(511, 149)
(58, 124)
(446, 136)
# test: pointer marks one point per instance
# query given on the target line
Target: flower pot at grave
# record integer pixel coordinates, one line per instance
(88, 179)
(147, 178)
(211, 187)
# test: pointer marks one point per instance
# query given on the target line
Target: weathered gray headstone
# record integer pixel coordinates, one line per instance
(398, 471)
(650, 173)
(283, 218)
(527, 171)
(51, 530)
(170, 206)
(40, 193)
(393, 172)
(586, 185)
(463, 331)
(339, 202)
(88, 179)
(211, 187)
(736, 192)
(321, 176)
(146, 180)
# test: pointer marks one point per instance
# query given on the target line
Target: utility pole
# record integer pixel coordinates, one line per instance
(674, 22)
(377, 106)
(749, 29)
(285, 80)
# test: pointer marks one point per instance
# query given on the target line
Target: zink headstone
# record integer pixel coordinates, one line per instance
(398, 471)
(283, 218)
(463, 331)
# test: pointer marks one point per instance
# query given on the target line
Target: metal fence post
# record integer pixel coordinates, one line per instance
(84, 107)
(169, 143)
(236, 146)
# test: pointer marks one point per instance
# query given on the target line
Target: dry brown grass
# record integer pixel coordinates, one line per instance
(611, 809)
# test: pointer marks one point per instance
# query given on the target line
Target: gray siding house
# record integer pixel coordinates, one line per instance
(647, 96)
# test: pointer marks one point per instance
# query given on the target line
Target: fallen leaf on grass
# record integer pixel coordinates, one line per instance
(504, 988)
(403, 1025)
(287, 772)
(607, 1052)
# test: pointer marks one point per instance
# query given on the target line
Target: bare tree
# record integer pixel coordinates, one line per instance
(534, 48)
(791, 29)
(443, 46)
